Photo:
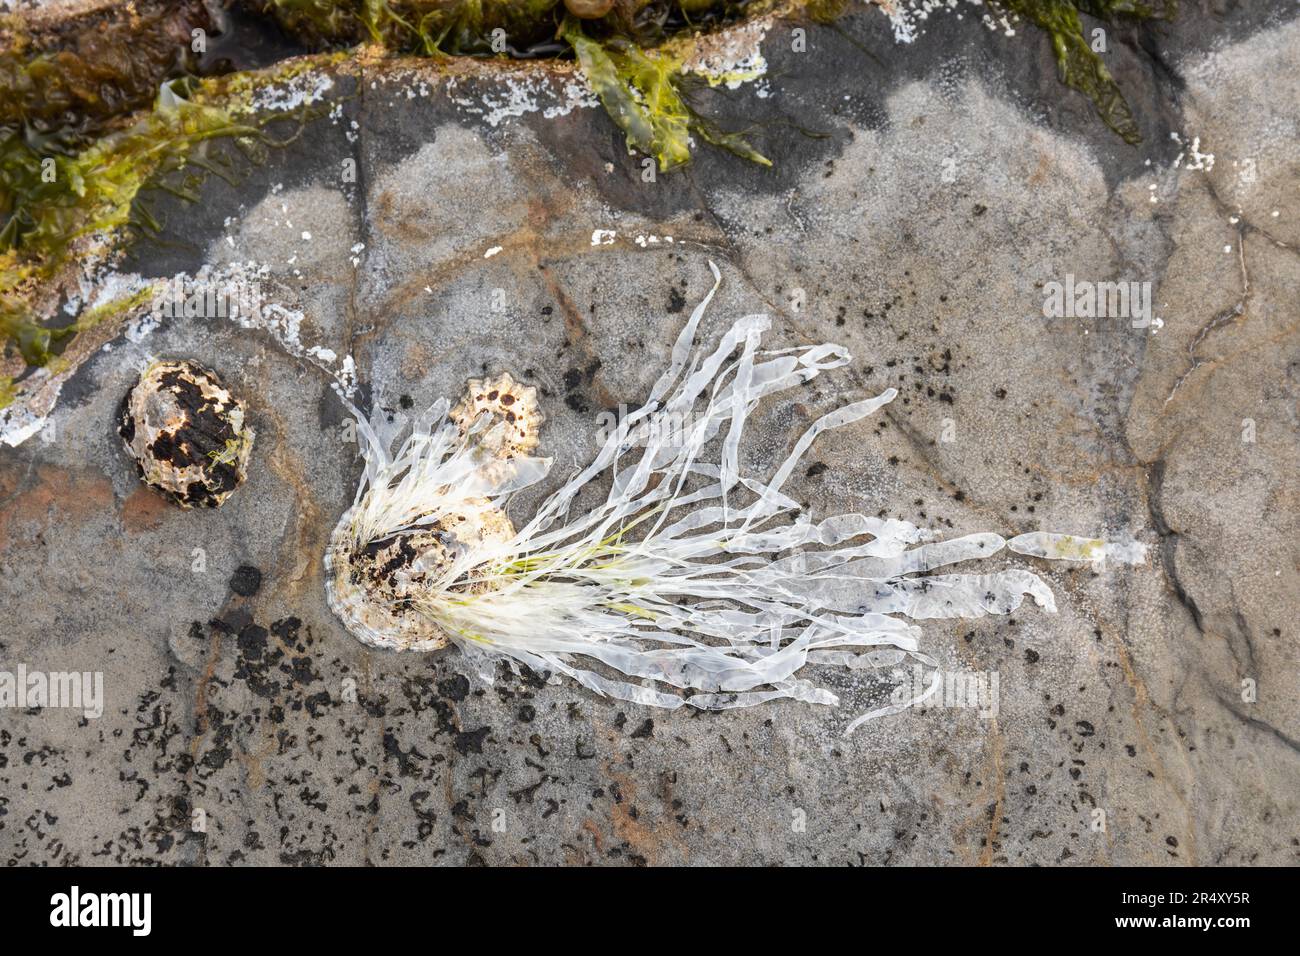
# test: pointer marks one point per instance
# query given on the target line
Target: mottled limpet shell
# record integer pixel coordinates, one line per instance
(376, 589)
(186, 433)
(512, 404)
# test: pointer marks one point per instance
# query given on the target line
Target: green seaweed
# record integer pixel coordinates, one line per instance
(65, 90)
(458, 27)
(71, 158)
(318, 22)
(639, 91)
(52, 201)
(40, 346)
(1080, 67)
(640, 88)
(425, 27)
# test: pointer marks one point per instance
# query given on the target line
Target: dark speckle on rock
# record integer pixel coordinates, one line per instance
(454, 688)
(252, 641)
(471, 741)
(246, 581)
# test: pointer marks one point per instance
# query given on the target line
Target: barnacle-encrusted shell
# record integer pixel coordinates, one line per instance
(375, 589)
(186, 433)
(376, 586)
(511, 403)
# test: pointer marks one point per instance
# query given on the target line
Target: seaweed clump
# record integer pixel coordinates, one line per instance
(527, 28)
(64, 89)
(53, 202)
(427, 27)
(621, 46)
(1080, 67)
(74, 151)
(92, 114)
(641, 91)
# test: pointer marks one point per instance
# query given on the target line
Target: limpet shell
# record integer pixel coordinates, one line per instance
(375, 589)
(187, 434)
(512, 404)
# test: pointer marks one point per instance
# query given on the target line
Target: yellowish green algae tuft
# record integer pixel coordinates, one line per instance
(1081, 68)
(63, 208)
(638, 90)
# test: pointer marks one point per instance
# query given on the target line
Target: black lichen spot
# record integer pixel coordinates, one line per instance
(471, 741)
(246, 581)
(407, 760)
(454, 688)
(252, 642)
(317, 703)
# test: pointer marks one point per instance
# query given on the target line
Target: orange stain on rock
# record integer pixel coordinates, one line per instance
(143, 510)
(52, 495)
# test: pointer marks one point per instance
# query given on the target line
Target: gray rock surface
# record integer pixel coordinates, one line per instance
(921, 197)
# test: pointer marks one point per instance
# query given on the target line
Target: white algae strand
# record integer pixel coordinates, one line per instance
(686, 581)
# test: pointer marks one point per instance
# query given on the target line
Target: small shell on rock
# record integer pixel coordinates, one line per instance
(376, 589)
(511, 404)
(186, 433)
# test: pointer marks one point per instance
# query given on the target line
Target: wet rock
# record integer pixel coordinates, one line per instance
(1135, 700)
